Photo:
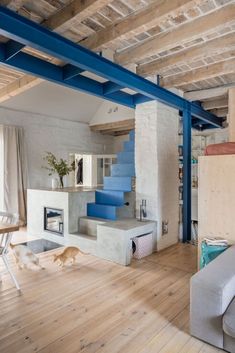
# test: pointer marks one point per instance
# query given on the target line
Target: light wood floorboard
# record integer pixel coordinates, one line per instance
(96, 306)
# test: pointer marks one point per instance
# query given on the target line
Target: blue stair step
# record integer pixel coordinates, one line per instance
(110, 202)
(107, 197)
(129, 146)
(101, 211)
(118, 183)
(125, 157)
(132, 135)
(124, 169)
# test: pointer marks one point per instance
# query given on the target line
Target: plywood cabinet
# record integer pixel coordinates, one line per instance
(216, 197)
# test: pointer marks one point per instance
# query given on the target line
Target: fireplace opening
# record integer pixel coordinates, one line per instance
(54, 220)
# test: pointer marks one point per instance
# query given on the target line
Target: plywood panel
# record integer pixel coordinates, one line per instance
(216, 197)
(231, 111)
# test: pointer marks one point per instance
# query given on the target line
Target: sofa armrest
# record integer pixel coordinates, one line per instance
(211, 291)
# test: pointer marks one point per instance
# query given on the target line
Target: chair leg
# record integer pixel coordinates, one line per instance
(10, 272)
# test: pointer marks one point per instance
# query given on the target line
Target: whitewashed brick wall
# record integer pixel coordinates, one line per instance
(156, 153)
(45, 133)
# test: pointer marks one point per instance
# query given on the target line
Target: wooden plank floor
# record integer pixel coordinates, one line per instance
(100, 307)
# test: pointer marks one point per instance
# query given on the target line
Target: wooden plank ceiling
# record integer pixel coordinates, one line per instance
(190, 44)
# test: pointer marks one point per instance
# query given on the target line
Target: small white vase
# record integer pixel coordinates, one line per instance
(54, 183)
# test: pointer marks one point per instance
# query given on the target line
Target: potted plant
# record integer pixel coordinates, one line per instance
(59, 166)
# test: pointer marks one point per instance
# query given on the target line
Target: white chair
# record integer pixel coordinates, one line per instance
(5, 240)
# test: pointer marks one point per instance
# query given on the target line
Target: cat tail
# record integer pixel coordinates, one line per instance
(83, 253)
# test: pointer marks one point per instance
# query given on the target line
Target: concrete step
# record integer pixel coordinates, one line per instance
(88, 225)
(102, 211)
(129, 146)
(118, 183)
(85, 242)
(107, 197)
(126, 169)
(128, 210)
(125, 157)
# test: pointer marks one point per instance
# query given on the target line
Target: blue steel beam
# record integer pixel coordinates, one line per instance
(187, 119)
(201, 125)
(199, 112)
(140, 98)
(12, 49)
(198, 122)
(48, 71)
(71, 71)
(110, 87)
(207, 127)
(33, 35)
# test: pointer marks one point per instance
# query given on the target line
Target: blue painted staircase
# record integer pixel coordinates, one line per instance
(109, 200)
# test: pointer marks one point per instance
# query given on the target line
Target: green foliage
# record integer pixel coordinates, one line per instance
(59, 166)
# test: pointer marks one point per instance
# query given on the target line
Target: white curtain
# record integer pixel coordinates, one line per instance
(15, 172)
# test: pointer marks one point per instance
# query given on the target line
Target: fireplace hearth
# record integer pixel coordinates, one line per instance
(54, 220)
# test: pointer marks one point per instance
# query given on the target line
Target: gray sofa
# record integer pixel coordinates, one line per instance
(212, 302)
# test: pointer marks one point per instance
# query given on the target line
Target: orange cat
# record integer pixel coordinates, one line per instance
(69, 253)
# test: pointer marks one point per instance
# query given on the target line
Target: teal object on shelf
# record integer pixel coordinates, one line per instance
(209, 253)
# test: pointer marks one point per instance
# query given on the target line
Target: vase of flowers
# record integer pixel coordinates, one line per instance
(60, 166)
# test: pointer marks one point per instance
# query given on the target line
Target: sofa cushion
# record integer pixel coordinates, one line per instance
(229, 319)
(212, 290)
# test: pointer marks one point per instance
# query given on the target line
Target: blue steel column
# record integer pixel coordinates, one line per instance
(187, 124)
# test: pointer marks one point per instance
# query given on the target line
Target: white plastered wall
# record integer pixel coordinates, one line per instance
(46, 133)
(109, 112)
(156, 153)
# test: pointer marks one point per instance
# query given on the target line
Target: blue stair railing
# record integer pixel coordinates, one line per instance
(112, 197)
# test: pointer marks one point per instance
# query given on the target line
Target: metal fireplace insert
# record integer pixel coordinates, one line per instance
(54, 220)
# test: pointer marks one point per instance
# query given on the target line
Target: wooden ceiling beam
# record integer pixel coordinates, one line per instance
(209, 93)
(185, 32)
(80, 9)
(5, 2)
(203, 73)
(215, 103)
(18, 86)
(114, 131)
(223, 112)
(122, 125)
(121, 133)
(136, 23)
(205, 49)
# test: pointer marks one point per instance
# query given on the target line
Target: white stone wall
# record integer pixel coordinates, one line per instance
(109, 112)
(156, 153)
(46, 133)
(146, 159)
